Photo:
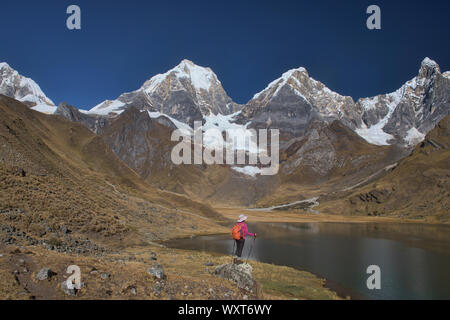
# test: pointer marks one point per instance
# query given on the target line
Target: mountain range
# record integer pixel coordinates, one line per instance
(290, 103)
(189, 93)
(328, 142)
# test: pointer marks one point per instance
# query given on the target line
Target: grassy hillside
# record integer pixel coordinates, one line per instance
(418, 187)
(57, 174)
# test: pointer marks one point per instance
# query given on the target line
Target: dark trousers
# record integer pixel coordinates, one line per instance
(239, 247)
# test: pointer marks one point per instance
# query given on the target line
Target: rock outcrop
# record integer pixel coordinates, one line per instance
(157, 271)
(96, 123)
(241, 274)
(45, 274)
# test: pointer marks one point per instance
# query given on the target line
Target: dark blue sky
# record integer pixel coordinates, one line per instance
(247, 43)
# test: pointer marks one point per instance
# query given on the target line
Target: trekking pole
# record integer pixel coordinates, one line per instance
(251, 248)
(232, 252)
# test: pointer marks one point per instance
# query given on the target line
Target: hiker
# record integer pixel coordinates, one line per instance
(240, 230)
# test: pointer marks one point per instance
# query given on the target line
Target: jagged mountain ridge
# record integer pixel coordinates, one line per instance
(95, 123)
(295, 100)
(408, 114)
(291, 103)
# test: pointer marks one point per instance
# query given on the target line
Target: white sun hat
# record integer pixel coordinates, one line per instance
(242, 218)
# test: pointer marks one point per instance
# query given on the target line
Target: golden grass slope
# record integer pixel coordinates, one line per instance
(56, 173)
(418, 188)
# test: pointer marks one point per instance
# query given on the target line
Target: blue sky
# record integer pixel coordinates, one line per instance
(247, 43)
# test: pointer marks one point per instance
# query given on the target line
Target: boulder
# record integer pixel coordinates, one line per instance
(241, 274)
(157, 271)
(105, 276)
(44, 274)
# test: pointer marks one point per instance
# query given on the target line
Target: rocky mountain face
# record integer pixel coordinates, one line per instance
(144, 143)
(186, 93)
(137, 137)
(332, 150)
(292, 102)
(23, 89)
(408, 114)
(141, 142)
(95, 123)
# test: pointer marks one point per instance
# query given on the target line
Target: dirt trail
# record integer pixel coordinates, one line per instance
(392, 166)
(304, 217)
(313, 203)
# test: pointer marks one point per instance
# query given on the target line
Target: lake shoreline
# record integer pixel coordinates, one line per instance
(300, 216)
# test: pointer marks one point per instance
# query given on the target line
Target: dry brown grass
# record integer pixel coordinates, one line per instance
(72, 178)
(187, 276)
(418, 188)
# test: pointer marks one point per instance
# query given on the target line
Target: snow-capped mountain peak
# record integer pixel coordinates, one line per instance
(428, 69)
(186, 93)
(283, 80)
(294, 99)
(24, 89)
(429, 63)
(201, 78)
(308, 90)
